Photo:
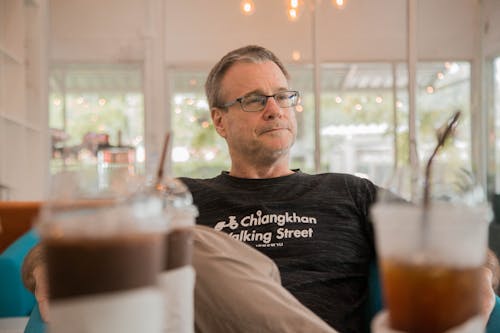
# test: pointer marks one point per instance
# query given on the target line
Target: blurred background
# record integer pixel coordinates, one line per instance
(88, 84)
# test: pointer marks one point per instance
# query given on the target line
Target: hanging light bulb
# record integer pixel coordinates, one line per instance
(296, 55)
(294, 8)
(293, 14)
(247, 7)
(340, 4)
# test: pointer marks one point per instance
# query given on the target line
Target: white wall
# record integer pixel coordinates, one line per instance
(97, 31)
(491, 42)
(199, 32)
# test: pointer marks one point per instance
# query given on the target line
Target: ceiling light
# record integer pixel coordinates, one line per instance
(339, 4)
(247, 7)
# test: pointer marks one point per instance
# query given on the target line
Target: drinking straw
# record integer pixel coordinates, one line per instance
(442, 135)
(161, 166)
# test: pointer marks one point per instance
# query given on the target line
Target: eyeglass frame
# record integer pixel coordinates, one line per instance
(240, 100)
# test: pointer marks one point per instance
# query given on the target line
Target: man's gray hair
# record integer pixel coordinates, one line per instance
(250, 54)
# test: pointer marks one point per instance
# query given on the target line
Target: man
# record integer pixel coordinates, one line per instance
(315, 228)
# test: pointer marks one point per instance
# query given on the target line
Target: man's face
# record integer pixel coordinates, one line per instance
(265, 135)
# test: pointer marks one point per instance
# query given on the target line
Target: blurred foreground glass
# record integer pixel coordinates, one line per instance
(430, 275)
(104, 250)
(177, 279)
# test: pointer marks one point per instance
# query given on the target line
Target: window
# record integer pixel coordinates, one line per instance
(197, 149)
(442, 89)
(496, 108)
(96, 117)
(363, 126)
(357, 119)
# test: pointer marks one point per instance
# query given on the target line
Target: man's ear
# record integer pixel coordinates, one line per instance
(217, 118)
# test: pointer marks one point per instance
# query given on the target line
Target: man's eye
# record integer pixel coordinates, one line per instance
(254, 99)
(284, 97)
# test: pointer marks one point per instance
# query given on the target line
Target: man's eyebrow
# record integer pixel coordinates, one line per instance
(260, 92)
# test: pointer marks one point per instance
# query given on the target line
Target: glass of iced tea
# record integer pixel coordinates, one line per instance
(430, 275)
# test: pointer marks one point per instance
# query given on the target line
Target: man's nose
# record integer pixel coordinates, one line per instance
(272, 109)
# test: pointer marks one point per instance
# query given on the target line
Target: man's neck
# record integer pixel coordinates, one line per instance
(260, 172)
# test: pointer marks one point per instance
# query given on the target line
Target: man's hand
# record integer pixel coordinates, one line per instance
(35, 279)
(487, 293)
(42, 291)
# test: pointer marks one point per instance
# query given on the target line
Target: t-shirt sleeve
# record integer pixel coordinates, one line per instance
(363, 193)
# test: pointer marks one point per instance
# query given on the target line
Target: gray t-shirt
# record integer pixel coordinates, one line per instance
(315, 227)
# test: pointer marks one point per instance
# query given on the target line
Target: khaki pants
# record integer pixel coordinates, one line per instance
(238, 289)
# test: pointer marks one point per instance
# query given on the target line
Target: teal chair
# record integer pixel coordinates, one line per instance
(17, 301)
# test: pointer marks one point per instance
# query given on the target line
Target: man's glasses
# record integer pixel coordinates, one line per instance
(255, 102)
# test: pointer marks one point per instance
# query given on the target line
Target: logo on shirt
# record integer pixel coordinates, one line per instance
(250, 232)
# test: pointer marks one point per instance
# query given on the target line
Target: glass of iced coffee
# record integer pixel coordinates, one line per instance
(104, 252)
(430, 275)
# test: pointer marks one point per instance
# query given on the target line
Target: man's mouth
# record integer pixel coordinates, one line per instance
(273, 129)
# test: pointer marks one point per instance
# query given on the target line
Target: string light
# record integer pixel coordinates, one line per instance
(429, 89)
(247, 7)
(292, 14)
(294, 8)
(340, 4)
(296, 55)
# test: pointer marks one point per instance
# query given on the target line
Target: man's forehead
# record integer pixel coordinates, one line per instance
(254, 77)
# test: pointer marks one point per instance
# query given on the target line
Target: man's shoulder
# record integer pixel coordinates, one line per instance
(196, 184)
(345, 178)
(196, 181)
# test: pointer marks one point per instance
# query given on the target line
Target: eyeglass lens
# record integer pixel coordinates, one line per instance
(284, 99)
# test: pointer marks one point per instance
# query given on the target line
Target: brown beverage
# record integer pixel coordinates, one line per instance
(84, 265)
(424, 298)
(179, 248)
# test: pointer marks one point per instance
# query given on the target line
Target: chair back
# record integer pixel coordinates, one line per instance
(16, 218)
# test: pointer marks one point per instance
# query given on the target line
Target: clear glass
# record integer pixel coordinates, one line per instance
(443, 88)
(197, 149)
(496, 112)
(104, 249)
(302, 152)
(357, 119)
(93, 109)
